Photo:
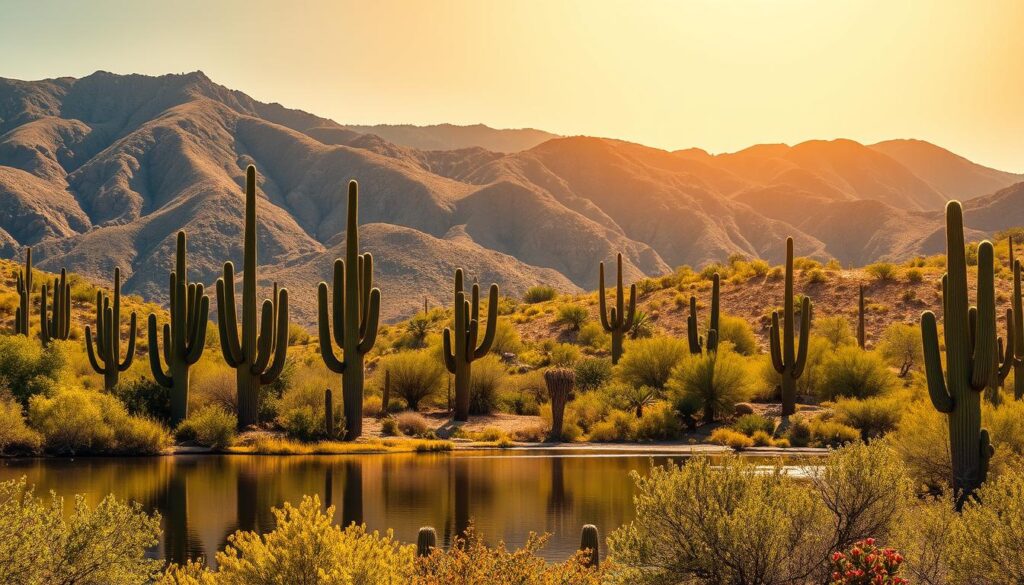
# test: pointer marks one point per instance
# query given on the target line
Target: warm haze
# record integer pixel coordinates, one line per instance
(715, 75)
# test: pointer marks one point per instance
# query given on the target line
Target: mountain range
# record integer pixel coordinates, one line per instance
(102, 171)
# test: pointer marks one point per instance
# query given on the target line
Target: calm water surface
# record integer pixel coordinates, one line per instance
(204, 498)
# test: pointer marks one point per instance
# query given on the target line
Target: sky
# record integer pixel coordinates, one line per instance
(716, 74)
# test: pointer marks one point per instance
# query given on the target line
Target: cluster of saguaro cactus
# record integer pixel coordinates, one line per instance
(787, 360)
(1017, 325)
(184, 337)
(699, 343)
(108, 336)
(560, 383)
(356, 306)
(55, 320)
(620, 320)
(460, 342)
(255, 355)
(970, 356)
(861, 340)
(24, 288)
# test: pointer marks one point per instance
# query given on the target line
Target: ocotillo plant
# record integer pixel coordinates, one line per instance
(356, 306)
(970, 350)
(184, 337)
(789, 361)
(426, 541)
(590, 541)
(697, 341)
(620, 320)
(108, 336)
(560, 382)
(250, 353)
(24, 287)
(56, 325)
(462, 351)
(860, 319)
(1018, 328)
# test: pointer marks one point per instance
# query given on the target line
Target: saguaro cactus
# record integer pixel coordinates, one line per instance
(462, 351)
(426, 541)
(1003, 364)
(789, 361)
(697, 341)
(590, 541)
(108, 336)
(184, 336)
(560, 382)
(356, 306)
(56, 325)
(620, 320)
(250, 354)
(1018, 328)
(860, 319)
(970, 357)
(329, 414)
(24, 288)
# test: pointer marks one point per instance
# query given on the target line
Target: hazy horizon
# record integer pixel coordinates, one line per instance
(717, 76)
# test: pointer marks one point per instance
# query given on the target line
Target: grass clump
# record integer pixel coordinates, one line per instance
(539, 294)
(210, 426)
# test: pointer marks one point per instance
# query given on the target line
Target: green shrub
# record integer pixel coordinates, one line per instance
(539, 294)
(914, 276)
(737, 331)
(818, 353)
(389, 427)
(415, 375)
(16, 438)
(749, 424)
(827, 433)
(854, 373)
(506, 338)
(592, 335)
(27, 368)
(144, 397)
(985, 544)
(922, 440)
(901, 347)
(412, 424)
(563, 355)
(799, 432)
(761, 439)
(302, 423)
(587, 409)
(649, 362)
(210, 426)
(881, 270)
(731, 438)
(659, 423)
(592, 373)
(572, 315)
(619, 426)
(718, 379)
(816, 276)
(836, 330)
(873, 417)
(485, 380)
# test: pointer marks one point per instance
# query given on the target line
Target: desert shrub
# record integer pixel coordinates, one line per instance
(816, 276)
(737, 331)
(592, 373)
(586, 409)
(731, 438)
(749, 424)
(829, 433)
(210, 426)
(144, 397)
(659, 423)
(819, 351)
(27, 368)
(572, 315)
(592, 335)
(563, 355)
(799, 432)
(417, 329)
(618, 426)
(213, 382)
(649, 362)
(485, 380)
(302, 423)
(373, 406)
(719, 379)
(922, 440)
(105, 543)
(389, 426)
(881, 270)
(16, 438)
(926, 548)
(412, 424)
(914, 276)
(469, 561)
(855, 373)
(415, 375)
(901, 347)
(985, 544)
(75, 421)
(506, 338)
(539, 293)
(762, 439)
(632, 398)
(836, 330)
(873, 417)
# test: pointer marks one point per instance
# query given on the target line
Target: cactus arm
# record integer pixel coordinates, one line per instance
(197, 342)
(631, 311)
(372, 322)
(157, 368)
(972, 326)
(492, 323)
(774, 344)
(129, 355)
(365, 285)
(338, 299)
(937, 391)
(984, 359)
(447, 351)
(602, 303)
(986, 452)
(805, 335)
(91, 353)
(44, 326)
(324, 332)
(691, 327)
(281, 347)
(471, 336)
(712, 339)
(227, 319)
(265, 342)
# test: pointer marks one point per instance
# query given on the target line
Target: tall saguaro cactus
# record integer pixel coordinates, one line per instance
(787, 359)
(861, 341)
(356, 306)
(55, 322)
(250, 353)
(1017, 325)
(697, 341)
(108, 336)
(620, 320)
(24, 287)
(460, 344)
(184, 336)
(970, 356)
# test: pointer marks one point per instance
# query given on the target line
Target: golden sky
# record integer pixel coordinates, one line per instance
(717, 74)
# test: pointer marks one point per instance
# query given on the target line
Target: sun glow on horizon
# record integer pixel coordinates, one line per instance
(711, 74)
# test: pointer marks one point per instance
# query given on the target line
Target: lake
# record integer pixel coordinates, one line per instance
(507, 494)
